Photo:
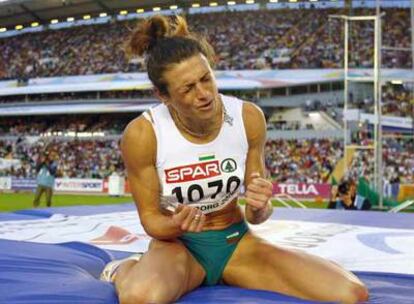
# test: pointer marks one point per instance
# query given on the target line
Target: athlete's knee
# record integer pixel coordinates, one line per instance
(360, 292)
(153, 290)
(125, 297)
(134, 297)
(355, 292)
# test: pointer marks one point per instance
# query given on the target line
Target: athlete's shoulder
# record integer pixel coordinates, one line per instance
(138, 128)
(254, 122)
(138, 138)
(251, 109)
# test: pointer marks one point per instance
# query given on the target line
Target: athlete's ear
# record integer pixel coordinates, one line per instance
(162, 97)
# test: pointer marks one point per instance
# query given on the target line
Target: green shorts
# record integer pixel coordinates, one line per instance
(212, 249)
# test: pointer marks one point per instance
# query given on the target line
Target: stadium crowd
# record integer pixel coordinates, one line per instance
(264, 39)
(287, 161)
(109, 124)
(96, 158)
(99, 158)
(396, 100)
(398, 160)
(302, 161)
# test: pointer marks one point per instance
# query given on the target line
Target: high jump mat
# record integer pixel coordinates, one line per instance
(55, 255)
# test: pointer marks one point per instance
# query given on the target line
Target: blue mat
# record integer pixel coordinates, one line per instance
(35, 273)
(67, 273)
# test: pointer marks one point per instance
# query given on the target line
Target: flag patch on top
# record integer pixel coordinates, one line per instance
(205, 157)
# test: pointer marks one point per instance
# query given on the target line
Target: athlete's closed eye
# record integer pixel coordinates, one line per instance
(206, 78)
(187, 88)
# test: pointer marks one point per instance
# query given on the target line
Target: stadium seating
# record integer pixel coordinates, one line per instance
(243, 40)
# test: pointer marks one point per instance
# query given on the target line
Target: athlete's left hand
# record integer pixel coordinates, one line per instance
(258, 192)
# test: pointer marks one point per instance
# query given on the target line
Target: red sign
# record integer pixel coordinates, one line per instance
(303, 190)
(192, 172)
(116, 235)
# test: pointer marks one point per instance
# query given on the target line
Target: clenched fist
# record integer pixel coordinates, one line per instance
(258, 194)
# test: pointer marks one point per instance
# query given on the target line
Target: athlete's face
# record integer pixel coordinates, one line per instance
(192, 88)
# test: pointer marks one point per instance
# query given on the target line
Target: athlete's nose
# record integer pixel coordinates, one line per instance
(201, 91)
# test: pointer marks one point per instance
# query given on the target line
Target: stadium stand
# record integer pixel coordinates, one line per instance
(265, 39)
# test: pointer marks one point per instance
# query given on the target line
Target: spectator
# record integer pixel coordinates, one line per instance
(348, 198)
(46, 172)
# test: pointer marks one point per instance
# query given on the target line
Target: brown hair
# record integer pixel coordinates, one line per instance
(165, 41)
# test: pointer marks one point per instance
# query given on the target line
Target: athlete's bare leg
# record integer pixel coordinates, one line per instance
(257, 264)
(162, 275)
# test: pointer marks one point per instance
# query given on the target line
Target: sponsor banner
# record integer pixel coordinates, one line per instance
(79, 185)
(5, 183)
(230, 80)
(390, 121)
(8, 163)
(301, 190)
(358, 248)
(404, 123)
(23, 183)
(8, 84)
(192, 172)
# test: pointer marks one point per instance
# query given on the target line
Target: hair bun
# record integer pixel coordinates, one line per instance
(167, 39)
(158, 27)
(146, 34)
(180, 27)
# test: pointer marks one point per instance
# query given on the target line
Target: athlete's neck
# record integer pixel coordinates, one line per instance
(199, 128)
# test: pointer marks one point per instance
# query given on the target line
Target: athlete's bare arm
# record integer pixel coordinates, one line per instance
(258, 189)
(138, 147)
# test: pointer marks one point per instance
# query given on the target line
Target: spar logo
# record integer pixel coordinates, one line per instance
(228, 165)
(192, 172)
(209, 167)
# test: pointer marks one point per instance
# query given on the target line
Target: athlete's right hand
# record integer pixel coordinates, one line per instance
(188, 218)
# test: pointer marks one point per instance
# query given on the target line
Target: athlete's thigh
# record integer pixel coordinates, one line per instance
(167, 268)
(256, 264)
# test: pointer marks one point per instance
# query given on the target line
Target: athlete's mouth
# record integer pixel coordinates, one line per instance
(206, 105)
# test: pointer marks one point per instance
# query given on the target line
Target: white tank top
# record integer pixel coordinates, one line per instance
(206, 176)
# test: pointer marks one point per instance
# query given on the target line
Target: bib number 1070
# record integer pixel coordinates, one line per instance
(195, 191)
